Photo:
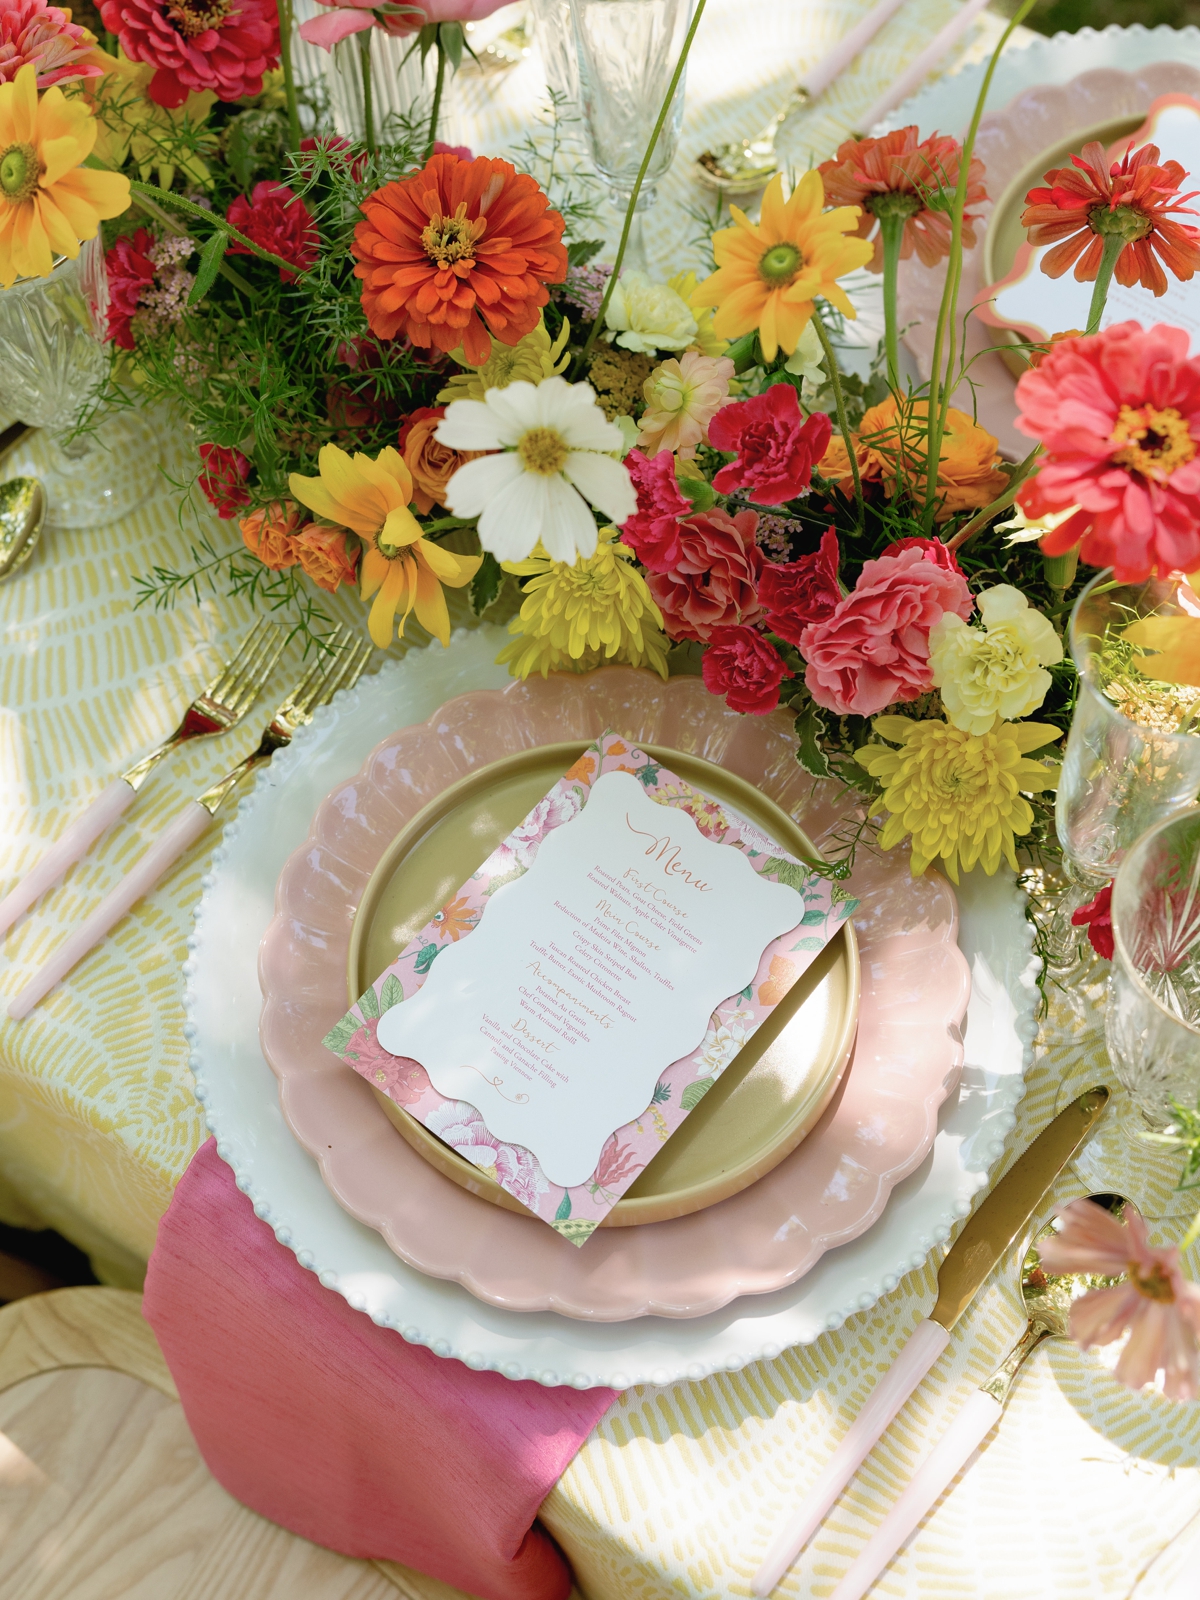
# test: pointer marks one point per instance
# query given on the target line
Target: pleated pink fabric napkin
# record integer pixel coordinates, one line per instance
(337, 1429)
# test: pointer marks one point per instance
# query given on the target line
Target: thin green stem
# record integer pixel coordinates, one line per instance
(368, 89)
(676, 76)
(839, 401)
(891, 230)
(153, 192)
(289, 79)
(1001, 503)
(1114, 243)
(438, 85)
(1191, 1235)
(177, 228)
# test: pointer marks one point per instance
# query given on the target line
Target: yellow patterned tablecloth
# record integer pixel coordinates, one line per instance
(1083, 1489)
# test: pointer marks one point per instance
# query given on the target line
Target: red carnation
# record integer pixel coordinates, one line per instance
(225, 471)
(222, 45)
(1096, 917)
(742, 666)
(714, 581)
(776, 447)
(941, 555)
(129, 270)
(277, 220)
(795, 593)
(652, 532)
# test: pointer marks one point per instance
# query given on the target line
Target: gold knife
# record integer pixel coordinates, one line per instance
(986, 1239)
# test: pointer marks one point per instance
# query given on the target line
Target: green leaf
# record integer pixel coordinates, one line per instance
(581, 251)
(662, 1093)
(485, 585)
(789, 872)
(564, 1207)
(695, 1092)
(391, 994)
(809, 944)
(340, 1035)
(210, 260)
(810, 731)
(451, 36)
(368, 1004)
(812, 919)
(426, 956)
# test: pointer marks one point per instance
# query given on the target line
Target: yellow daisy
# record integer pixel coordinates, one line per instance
(402, 569)
(577, 617)
(49, 203)
(770, 272)
(958, 794)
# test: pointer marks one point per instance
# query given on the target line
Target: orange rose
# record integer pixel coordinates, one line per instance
(432, 464)
(834, 465)
(326, 556)
(969, 473)
(271, 535)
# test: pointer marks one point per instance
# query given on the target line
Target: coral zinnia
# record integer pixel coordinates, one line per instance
(769, 273)
(222, 45)
(580, 616)
(903, 175)
(957, 793)
(404, 571)
(1092, 199)
(49, 203)
(456, 250)
(46, 36)
(1119, 416)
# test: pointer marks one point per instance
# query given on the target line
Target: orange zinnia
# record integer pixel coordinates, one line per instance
(1091, 200)
(454, 246)
(904, 175)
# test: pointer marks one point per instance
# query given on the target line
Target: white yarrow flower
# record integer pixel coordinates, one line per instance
(995, 673)
(554, 445)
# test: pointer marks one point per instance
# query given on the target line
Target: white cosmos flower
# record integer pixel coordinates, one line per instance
(554, 443)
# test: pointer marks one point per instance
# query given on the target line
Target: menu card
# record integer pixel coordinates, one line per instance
(562, 1015)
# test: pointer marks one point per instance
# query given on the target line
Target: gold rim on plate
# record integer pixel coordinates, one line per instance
(768, 1098)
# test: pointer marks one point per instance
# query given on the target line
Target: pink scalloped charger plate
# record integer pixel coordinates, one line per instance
(877, 1129)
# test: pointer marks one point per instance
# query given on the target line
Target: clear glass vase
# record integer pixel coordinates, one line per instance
(52, 361)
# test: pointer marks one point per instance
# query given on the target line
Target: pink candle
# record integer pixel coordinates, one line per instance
(934, 52)
(844, 52)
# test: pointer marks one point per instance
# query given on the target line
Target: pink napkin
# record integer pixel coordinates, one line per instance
(328, 1425)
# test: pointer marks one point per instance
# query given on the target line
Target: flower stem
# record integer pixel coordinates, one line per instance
(839, 401)
(153, 192)
(439, 85)
(1191, 1235)
(180, 232)
(891, 229)
(368, 90)
(1001, 503)
(1114, 243)
(289, 79)
(642, 171)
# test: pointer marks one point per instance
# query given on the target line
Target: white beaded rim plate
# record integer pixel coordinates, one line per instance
(240, 1095)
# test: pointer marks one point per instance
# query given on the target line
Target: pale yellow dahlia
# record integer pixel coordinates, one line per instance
(958, 794)
(530, 360)
(578, 617)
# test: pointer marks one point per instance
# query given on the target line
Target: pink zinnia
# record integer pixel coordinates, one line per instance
(31, 31)
(1158, 1306)
(1119, 416)
(276, 219)
(222, 45)
(874, 649)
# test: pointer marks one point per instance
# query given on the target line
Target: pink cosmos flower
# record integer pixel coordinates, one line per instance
(222, 45)
(31, 31)
(1158, 1306)
(345, 17)
(775, 445)
(874, 649)
(1119, 416)
(682, 397)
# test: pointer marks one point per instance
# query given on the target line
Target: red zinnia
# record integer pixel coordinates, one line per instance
(129, 270)
(31, 31)
(1119, 416)
(1091, 200)
(458, 250)
(774, 445)
(222, 45)
(904, 175)
(278, 220)
(225, 472)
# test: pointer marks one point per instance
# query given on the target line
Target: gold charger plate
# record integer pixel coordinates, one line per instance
(765, 1101)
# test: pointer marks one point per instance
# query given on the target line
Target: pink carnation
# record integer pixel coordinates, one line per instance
(130, 273)
(31, 31)
(652, 532)
(714, 581)
(874, 649)
(222, 45)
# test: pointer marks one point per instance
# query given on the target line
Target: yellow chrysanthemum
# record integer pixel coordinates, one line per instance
(131, 125)
(404, 570)
(686, 285)
(770, 272)
(958, 794)
(530, 360)
(577, 617)
(49, 203)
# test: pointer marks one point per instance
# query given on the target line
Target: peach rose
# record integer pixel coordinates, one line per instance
(431, 463)
(326, 555)
(271, 535)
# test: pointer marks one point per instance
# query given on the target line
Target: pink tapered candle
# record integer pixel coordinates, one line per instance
(843, 53)
(934, 52)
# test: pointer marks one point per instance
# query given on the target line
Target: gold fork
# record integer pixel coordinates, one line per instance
(340, 668)
(215, 709)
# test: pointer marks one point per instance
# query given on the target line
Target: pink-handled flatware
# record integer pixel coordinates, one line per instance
(215, 709)
(987, 1237)
(338, 668)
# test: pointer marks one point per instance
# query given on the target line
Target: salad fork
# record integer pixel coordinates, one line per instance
(341, 668)
(215, 709)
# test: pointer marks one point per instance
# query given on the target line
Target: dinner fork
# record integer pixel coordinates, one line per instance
(340, 668)
(215, 709)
